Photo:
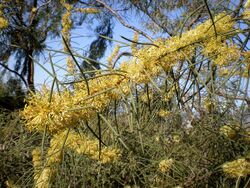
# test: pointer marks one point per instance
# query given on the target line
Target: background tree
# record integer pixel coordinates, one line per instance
(31, 22)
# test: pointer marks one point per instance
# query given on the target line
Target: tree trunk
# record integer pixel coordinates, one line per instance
(30, 76)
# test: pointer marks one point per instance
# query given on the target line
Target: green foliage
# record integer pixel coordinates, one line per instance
(15, 146)
(12, 94)
(198, 154)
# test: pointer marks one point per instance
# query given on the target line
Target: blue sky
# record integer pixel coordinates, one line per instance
(81, 39)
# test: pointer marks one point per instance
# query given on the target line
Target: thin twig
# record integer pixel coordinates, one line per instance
(15, 72)
(143, 43)
(211, 17)
(77, 64)
(122, 21)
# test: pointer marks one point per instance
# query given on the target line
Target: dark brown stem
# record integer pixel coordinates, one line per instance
(16, 73)
(30, 77)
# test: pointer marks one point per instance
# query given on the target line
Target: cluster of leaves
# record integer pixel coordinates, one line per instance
(11, 94)
(15, 150)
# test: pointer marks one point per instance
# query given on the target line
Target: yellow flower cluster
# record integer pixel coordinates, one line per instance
(221, 52)
(66, 27)
(166, 165)
(112, 56)
(65, 109)
(164, 113)
(81, 144)
(55, 115)
(237, 168)
(66, 24)
(87, 10)
(42, 175)
(229, 131)
(36, 159)
(146, 97)
(3, 22)
(209, 104)
(133, 45)
(68, 107)
(149, 61)
(246, 13)
(139, 72)
(70, 65)
(247, 4)
(170, 94)
(247, 63)
(176, 138)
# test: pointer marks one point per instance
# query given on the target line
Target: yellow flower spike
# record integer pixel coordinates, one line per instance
(44, 179)
(237, 168)
(36, 159)
(133, 44)
(3, 22)
(247, 5)
(87, 10)
(166, 165)
(146, 97)
(164, 113)
(229, 131)
(112, 56)
(176, 138)
(70, 65)
(66, 109)
(83, 145)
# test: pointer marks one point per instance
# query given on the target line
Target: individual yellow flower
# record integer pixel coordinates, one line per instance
(3, 22)
(246, 14)
(164, 113)
(224, 72)
(157, 138)
(44, 179)
(11, 184)
(146, 97)
(237, 168)
(37, 164)
(66, 26)
(133, 44)
(247, 136)
(70, 65)
(176, 138)
(166, 165)
(247, 4)
(170, 94)
(229, 131)
(87, 10)
(208, 104)
(112, 56)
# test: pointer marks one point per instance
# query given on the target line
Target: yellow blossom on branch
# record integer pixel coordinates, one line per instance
(149, 61)
(87, 10)
(164, 113)
(229, 131)
(63, 110)
(166, 165)
(3, 22)
(83, 145)
(112, 56)
(237, 168)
